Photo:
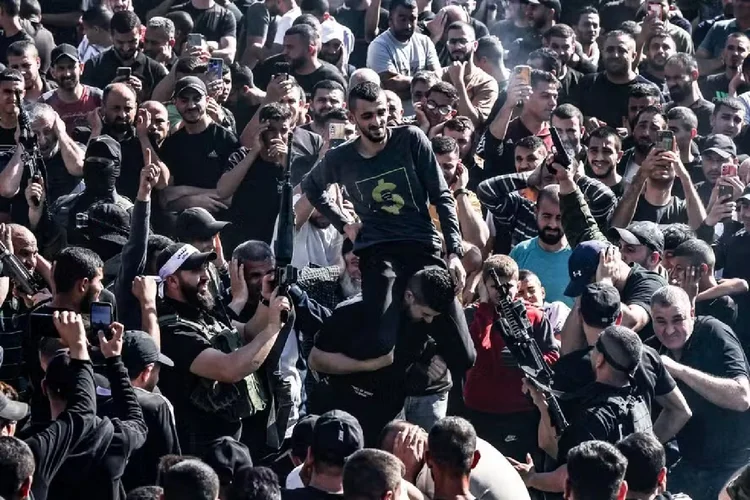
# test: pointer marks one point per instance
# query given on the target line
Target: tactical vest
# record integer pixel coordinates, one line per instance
(230, 401)
(631, 412)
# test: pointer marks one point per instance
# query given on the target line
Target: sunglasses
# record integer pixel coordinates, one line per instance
(444, 110)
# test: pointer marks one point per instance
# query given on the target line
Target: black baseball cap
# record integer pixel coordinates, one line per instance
(640, 233)
(104, 147)
(12, 410)
(189, 83)
(721, 144)
(227, 457)
(193, 259)
(140, 350)
(197, 223)
(336, 436)
(600, 305)
(302, 435)
(64, 50)
(582, 265)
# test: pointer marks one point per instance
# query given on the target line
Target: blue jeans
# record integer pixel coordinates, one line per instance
(699, 483)
(425, 411)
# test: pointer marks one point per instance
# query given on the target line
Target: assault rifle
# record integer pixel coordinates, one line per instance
(516, 331)
(32, 156)
(14, 269)
(286, 273)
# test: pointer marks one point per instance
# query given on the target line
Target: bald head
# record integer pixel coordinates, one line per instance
(362, 75)
(455, 13)
(120, 105)
(24, 245)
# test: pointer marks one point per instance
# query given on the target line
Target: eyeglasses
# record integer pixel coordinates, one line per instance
(444, 110)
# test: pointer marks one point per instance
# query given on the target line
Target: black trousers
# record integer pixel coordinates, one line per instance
(386, 269)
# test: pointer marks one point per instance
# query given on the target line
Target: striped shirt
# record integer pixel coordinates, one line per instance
(11, 340)
(513, 213)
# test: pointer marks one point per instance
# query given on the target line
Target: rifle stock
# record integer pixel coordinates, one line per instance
(515, 330)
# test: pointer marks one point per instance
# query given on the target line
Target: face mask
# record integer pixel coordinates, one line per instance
(100, 177)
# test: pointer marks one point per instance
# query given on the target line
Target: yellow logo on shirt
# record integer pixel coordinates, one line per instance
(383, 193)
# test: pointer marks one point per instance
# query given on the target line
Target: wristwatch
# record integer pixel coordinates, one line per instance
(458, 192)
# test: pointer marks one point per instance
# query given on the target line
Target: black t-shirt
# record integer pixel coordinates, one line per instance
(101, 69)
(569, 86)
(638, 290)
(326, 71)
(613, 14)
(214, 23)
(309, 493)
(212, 147)
(5, 42)
(713, 434)
(607, 101)
(59, 180)
(673, 212)
(355, 21)
(723, 308)
(66, 34)
(714, 86)
(7, 148)
(573, 372)
(499, 155)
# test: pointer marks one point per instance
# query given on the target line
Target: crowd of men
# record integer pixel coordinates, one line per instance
(520, 266)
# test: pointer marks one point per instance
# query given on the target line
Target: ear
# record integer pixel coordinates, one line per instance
(618, 321)
(703, 270)
(409, 297)
(428, 459)
(693, 133)
(475, 459)
(661, 478)
(25, 489)
(83, 284)
(309, 458)
(619, 156)
(351, 116)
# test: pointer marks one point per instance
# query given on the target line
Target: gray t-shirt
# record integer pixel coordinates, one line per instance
(717, 36)
(387, 55)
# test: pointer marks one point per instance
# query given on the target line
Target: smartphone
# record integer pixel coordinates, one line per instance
(656, 10)
(727, 170)
(124, 72)
(336, 134)
(215, 67)
(283, 69)
(194, 40)
(101, 318)
(665, 140)
(523, 74)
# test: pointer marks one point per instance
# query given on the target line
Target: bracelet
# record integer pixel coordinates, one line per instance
(458, 192)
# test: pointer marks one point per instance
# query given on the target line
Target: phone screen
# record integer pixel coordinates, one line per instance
(195, 40)
(101, 317)
(124, 71)
(215, 67)
(336, 134)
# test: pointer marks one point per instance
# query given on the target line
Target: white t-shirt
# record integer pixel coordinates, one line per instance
(294, 481)
(387, 55)
(283, 23)
(492, 479)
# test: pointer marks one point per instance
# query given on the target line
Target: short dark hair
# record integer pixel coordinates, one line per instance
(698, 251)
(168, 461)
(309, 34)
(676, 234)
(459, 123)
(11, 75)
(650, 110)
(407, 4)
(190, 66)
(492, 48)
(253, 251)
(98, 17)
(19, 48)
(433, 287)
(532, 142)
(329, 85)
(124, 22)
(369, 474)
(365, 91)
(10, 7)
(73, 264)
(338, 114)
(16, 465)
(461, 25)
(559, 31)
(317, 7)
(145, 493)
(452, 442)
(183, 23)
(605, 133)
(646, 458)
(568, 112)
(685, 115)
(550, 60)
(525, 274)
(308, 20)
(683, 60)
(425, 76)
(275, 111)
(621, 33)
(241, 76)
(551, 193)
(595, 471)
(732, 103)
(443, 145)
(585, 11)
(190, 480)
(538, 76)
(255, 483)
(641, 90)
(445, 88)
